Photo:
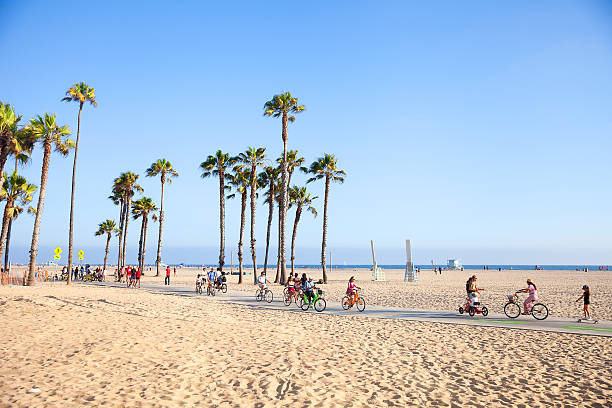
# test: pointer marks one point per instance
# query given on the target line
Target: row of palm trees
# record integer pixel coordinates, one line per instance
(124, 188)
(241, 172)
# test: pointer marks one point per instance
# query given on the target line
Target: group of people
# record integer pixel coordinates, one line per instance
(212, 277)
(132, 275)
(473, 290)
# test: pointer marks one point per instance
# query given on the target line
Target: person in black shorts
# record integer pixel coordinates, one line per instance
(586, 295)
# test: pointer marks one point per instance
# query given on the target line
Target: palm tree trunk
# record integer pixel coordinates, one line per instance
(121, 213)
(283, 203)
(71, 229)
(39, 210)
(8, 244)
(221, 219)
(144, 242)
(298, 213)
(5, 222)
(108, 238)
(142, 226)
(242, 218)
(253, 209)
(278, 251)
(127, 221)
(270, 214)
(324, 243)
(161, 224)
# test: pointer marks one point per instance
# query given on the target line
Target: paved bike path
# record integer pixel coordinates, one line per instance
(551, 324)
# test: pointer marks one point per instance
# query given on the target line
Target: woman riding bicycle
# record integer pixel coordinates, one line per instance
(351, 291)
(533, 296)
(291, 286)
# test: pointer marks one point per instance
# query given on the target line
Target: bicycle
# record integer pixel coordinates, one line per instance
(222, 287)
(318, 303)
(264, 294)
(210, 290)
(512, 309)
(360, 302)
(289, 297)
(198, 288)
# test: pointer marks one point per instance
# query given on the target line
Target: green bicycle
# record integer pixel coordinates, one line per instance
(317, 302)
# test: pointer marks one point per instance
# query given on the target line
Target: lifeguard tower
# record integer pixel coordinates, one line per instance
(454, 265)
(378, 275)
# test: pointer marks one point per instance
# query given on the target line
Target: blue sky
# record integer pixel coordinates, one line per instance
(479, 130)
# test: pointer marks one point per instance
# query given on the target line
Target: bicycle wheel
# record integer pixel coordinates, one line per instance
(299, 301)
(345, 302)
(512, 310)
(472, 311)
(258, 296)
(361, 304)
(207, 290)
(269, 296)
(212, 291)
(485, 311)
(305, 305)
(287, 300)
(539, 311)
(460, 309)
(320, 305)
(285, 291)
(224, 288)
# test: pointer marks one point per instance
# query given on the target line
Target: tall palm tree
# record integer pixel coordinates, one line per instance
(46, 131)
(240, 180)
(299, 197)
(9, 126)
(249, 161)
(283, 106)
(217, 165)
(165, 171)
(15, 189)
(20, 146)
(124, 188)
(141, 209)
(80, 93)
(325, 167)
(269, 177)
(293, 161)
(118, 199)
(107, 227)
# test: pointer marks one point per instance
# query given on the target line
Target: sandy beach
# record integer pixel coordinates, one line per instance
(93, 346)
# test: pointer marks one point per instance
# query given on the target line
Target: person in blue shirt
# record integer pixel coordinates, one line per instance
(309, 289)
(211, 277)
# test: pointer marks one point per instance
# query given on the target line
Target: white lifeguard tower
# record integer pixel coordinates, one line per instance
(454, 265)
(378, 275)
(411, 274)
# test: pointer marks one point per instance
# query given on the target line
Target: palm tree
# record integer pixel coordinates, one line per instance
(15, 189)
(142, 208)
(9, 122)
(240, 180)
(80, 93)
(269, 177)
(283, 106)
(124, 189)
(301, 198)
(217, 165)
(249, 161)
(107, 227)
(325, 167)
(164, 169)
(293, 161)
(50, 134)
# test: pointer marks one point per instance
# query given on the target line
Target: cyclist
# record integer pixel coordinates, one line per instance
(309, 289)
(291, 287)
(220, 278)
(210, 277)
(533, 296)
(198, 281)
(351, 291)
(262, 282)
(471, 289)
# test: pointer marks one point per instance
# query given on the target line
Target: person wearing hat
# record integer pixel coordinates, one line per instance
(309, 288)
(533, 296)
(586, 295)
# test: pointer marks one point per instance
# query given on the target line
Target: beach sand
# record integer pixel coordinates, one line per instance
(95, 346)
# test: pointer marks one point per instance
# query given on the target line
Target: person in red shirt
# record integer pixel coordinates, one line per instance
(138, 272)
(167, 281)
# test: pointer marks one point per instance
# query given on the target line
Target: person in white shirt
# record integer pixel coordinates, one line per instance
(263, 281)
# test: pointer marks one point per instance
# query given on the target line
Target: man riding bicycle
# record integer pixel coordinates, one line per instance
(309, 289)
(210, 277)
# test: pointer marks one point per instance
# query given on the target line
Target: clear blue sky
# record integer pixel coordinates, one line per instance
(479, 130)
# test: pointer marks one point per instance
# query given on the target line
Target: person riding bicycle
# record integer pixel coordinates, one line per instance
(533, 296)
(220, 278)
(309, 289)
(351, 291)
(472, 290)
(210, 277)
(198, 280)
(262, 281)
(291, 292)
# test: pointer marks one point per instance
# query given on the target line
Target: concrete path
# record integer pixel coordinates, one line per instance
(552, 324)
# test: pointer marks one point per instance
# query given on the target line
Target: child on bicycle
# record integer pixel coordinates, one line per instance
(586, 295)
(351, 291)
